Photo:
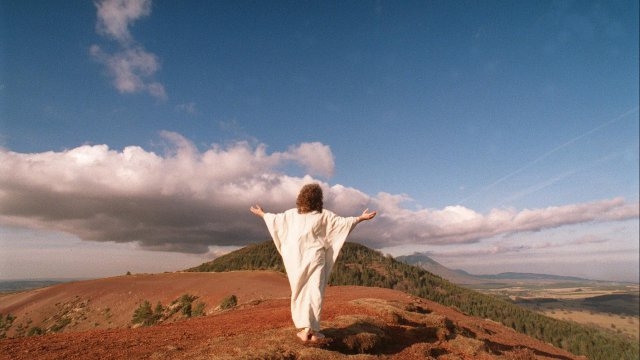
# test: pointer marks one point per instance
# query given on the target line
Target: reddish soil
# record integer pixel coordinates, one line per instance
(360, 323)
(110, 302)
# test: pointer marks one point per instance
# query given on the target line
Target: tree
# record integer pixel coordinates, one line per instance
(144, 315)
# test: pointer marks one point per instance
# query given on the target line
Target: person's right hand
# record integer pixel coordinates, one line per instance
(257, 210)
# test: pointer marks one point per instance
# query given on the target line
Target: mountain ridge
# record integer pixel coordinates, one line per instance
(362, 266)
(462, 277)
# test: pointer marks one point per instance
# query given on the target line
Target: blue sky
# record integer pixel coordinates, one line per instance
(495, 136)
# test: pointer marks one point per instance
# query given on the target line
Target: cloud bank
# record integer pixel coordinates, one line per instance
(186, 200)
(131, 67)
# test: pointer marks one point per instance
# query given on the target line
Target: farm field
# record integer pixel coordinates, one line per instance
(615, 308)
(621, 324)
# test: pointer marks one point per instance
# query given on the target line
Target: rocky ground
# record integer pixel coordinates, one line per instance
(360, 323)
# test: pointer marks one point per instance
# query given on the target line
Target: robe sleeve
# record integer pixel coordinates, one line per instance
(277, 226)
(338, 228)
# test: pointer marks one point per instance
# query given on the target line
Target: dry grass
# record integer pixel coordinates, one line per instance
(572, 303)
(625, 325)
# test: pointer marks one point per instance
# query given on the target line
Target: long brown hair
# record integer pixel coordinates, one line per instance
(309, 199)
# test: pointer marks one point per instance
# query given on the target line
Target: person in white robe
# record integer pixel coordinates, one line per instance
(309, 239)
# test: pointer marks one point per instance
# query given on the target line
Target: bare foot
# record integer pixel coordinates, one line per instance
(317, 336)
(304, 335)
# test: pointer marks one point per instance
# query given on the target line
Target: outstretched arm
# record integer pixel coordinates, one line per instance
(257, 210)
(366, 215)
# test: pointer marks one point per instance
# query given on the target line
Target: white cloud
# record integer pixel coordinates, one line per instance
(115, 16)
(131, 68)
(186, 200)
(315, 156)
(458, 224)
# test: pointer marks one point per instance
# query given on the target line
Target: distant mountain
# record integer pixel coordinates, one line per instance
(459, 277)
(361, 266)
(462, 277)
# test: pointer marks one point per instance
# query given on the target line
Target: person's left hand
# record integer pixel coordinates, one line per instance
(257, 210)
(367, 215)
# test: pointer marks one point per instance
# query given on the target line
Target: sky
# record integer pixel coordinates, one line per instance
(492, 136)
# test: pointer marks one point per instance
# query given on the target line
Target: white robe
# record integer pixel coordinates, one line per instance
(309, 245)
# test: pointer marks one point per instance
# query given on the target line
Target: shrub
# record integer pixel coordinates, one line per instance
(229, 302)
(5, 324)
(187, 298)
(185, 304)
(199, 309)
(186, 310)
(61, 324)
(144, 315)
(34, 331)
(159, 310)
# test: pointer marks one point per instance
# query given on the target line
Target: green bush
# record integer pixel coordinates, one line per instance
(198, 310)
(229, 302)
(158, 312)
(34, 331)
(5, 324)
(186, 300)
(144, 315)
(60, 324)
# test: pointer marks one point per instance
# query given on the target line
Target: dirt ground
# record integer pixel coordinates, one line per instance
(360, 323)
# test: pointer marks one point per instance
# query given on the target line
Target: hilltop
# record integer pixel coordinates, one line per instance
(369, 323)
(359, 265)
(376, 307)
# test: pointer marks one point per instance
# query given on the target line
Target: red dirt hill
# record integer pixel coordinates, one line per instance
(360, 322)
